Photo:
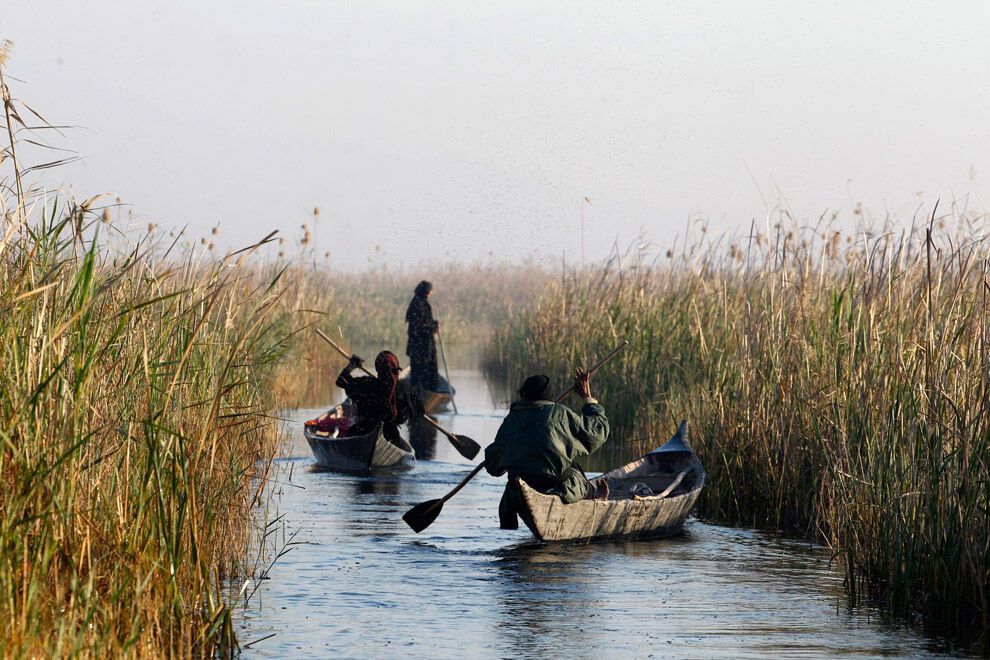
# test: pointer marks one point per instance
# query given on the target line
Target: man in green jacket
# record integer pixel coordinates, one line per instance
(539, 441)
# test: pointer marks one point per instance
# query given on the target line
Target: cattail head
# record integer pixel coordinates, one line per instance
(106, 216)
(833, 245)
(215, 230)
(316, 210)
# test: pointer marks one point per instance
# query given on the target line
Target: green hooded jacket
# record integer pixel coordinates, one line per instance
(540, 440)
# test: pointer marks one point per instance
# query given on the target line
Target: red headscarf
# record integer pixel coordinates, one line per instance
(387, 366)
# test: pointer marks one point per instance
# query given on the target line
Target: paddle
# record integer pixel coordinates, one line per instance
(423, 514)
(445, 371)
(464, 445)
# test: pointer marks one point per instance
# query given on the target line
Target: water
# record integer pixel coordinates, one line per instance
(356, 582)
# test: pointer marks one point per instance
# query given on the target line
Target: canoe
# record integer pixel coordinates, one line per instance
(648, 498)
(438, 400)
(359, 453)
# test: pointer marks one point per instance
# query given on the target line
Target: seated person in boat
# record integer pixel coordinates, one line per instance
(422, 346)
(539, 442)
(380, 399)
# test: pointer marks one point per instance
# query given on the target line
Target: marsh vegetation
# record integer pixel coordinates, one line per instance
(837, 385)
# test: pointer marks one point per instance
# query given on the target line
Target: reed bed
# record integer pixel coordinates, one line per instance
(469, 300)
(136, 423)
(837, 386)
(136, 426)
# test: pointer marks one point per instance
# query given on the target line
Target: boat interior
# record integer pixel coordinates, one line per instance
(339, 412)
(656, 475)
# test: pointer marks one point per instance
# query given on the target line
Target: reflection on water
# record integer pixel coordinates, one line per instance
(359, 583)
(377, 486)
(423, 438)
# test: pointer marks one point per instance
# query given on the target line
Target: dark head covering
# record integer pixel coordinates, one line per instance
(387, 366)
(423, 288)
(535, 388)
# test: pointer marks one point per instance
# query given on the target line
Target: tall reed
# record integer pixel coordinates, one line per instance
(836, 384)
(136, 427)
(469, 300)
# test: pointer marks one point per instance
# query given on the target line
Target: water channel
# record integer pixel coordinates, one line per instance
(356, 582)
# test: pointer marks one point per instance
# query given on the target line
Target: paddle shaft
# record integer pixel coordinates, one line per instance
(471, 475)
(431, 422)
(477, 469)
(340, 350)
(446, 372)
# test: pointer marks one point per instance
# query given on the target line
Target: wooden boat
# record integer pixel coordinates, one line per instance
(648, 498)
(438, 400)
(360, 453)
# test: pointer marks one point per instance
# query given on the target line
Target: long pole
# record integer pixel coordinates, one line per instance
(446, 372)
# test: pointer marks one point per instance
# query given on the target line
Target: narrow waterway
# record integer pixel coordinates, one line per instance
(356, 582)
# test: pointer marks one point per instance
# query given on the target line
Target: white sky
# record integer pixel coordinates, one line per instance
(469, 130)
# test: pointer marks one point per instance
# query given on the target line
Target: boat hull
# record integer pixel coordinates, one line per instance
(551, 520)
(650, 497)
(362, 453)
(436, 401)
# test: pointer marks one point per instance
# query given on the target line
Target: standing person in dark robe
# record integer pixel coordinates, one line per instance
(540, 441)
(422, 346)
(378, 400)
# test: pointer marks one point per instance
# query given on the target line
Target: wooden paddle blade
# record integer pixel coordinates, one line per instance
(466, 446)
(423, 514)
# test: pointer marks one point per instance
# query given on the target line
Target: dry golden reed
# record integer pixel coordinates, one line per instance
(136, 427)
(836, 387)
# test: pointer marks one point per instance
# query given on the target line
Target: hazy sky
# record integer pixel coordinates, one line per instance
(464, 130)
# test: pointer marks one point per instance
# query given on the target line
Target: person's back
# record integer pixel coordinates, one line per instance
(539, 441)
(369, 396)
(543, 439)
